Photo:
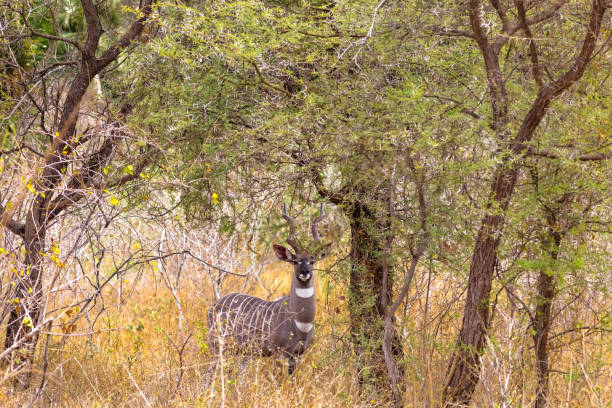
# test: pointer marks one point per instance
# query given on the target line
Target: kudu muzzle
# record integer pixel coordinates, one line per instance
(304, 276)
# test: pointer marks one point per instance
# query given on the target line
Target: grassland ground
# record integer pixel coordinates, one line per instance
(148, 348)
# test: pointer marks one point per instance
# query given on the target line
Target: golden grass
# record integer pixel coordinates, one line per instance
(134, 359)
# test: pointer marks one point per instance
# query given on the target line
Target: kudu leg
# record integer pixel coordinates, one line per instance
(215, 348)
(292, 364)
(210, 373)
(244, 361)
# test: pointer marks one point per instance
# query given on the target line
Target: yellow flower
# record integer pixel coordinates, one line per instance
(215, 198)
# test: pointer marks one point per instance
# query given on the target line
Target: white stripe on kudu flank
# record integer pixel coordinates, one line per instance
(305, 292)
(303, 327)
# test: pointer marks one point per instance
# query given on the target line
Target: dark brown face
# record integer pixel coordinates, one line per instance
(303, 267)
(303, 264)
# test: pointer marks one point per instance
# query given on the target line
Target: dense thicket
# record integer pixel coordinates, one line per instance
(467, 138)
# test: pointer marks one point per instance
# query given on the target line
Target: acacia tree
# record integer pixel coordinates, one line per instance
(277, 114)
(513, 137)
(60, 156)
(285, 104)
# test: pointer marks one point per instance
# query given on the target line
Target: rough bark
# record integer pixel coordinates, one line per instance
(27, 301)
(367, 302)
(465, 363)
(370, 284)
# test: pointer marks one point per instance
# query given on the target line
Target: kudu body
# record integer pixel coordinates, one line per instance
(240, 323)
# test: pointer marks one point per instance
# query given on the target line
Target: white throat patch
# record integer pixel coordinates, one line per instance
(305, 292)
(303, 327)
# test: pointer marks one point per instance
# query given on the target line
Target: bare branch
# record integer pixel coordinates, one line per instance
(501, 12)
(452, 33)
(138, 169)
(130, 35)
(315, 224)
(424, 238)
(83, 179)
(34, 33)
(363, 41)
(444, 99)
(543, 16)
(510, 29)
(268, 84)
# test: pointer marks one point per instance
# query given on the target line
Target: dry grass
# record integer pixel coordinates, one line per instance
(136, 358)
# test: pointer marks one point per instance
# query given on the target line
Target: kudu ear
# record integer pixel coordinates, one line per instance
(324, 251)
(283, 253)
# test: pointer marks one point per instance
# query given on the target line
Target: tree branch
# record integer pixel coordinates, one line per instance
(424, 237)
(501, 12)
(497, 90)
(86, 176)
(452, 33)
(140, 166)
(55, 165)
(8, 222)
(82, 179)
(332, 196)
(94, 28)
(533, 52)
(34, 33)
(444, 99)
(543, 16)
(268, 84)
(550, 91)
(510, 29)
(130, 35)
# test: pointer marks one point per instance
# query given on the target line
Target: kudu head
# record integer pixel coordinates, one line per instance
(303, 259)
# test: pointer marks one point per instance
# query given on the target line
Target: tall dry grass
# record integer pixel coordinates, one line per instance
(148, 348)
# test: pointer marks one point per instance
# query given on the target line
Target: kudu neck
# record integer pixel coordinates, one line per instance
(302, 298)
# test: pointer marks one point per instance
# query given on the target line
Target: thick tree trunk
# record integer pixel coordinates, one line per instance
(367, 302)
(542, 318)
(464, 365)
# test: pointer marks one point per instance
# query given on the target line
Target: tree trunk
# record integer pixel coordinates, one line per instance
(27, 302)
(464, 365)
(26, 305)
(367, 302)
(542, 317)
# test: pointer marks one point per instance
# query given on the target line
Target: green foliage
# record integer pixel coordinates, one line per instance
(247, 104)
(246, 100)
